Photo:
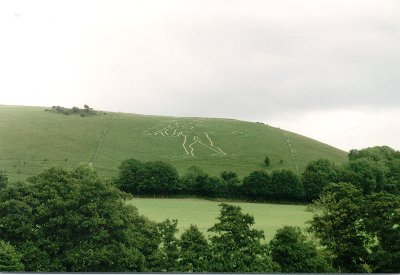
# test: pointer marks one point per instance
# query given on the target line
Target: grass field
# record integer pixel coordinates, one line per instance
(32, 139)
(204, 213)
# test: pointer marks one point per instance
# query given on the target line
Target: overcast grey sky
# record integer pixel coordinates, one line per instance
(329, 70)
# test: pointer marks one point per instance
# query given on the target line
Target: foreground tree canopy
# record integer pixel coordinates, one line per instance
(294, 253)
(235, 245)
(72, 221)
(361, 231)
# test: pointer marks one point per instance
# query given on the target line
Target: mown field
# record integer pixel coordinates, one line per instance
(32, 139)
(204, 213)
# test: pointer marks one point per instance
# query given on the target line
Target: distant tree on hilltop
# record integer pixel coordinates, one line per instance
(86, 111)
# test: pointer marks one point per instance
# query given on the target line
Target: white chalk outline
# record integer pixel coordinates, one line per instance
(186, 132)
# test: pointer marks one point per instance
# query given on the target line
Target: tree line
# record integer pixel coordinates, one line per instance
(160, 178)
(372, 170)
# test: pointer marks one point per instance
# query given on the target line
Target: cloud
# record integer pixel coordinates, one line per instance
(251, 60)
(347, 60)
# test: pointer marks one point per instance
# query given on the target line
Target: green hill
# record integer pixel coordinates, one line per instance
(32, 139)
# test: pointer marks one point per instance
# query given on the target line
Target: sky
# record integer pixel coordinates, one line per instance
(326, 69)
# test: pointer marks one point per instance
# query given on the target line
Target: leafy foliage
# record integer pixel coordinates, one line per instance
(361, 231)
(377, 153)
(257, 185)
(155, 177)
(336, 223)
(375, 169)
(316, 176)
(194, 251)
(366, 175)
(10, 259)
(382, 221)
(291, 250)
(166, 259)
(286, 186)
(393, 177)
(72, 221)
(235, 247)
(230, 185)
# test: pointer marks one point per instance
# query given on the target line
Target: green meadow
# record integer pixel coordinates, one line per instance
(32, 139)
(203, 213)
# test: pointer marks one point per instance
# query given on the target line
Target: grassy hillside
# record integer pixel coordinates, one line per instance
(203, 213)
(32, 139)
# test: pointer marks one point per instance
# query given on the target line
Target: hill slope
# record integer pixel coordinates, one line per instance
(32, 139)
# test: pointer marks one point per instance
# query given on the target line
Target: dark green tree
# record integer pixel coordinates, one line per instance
(230, 176)
(166, 259)
(257, 185)
(316, 176)
(194, 251)
(197, 182)
(231, 186)
(393, 177)
(286, 185)
(131, 176)
(376, 154)
(235, 246)
(149, 178)
(294, 253)
(193, 180)
(367, 175)
(10, 259)
(85, 170)
(160, 178)
(74, 222)
(382, 222)
(212, 187)
(375, 169)
(337, 223)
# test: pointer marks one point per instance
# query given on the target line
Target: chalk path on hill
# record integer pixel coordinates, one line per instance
(103, 135)
(292, 152)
